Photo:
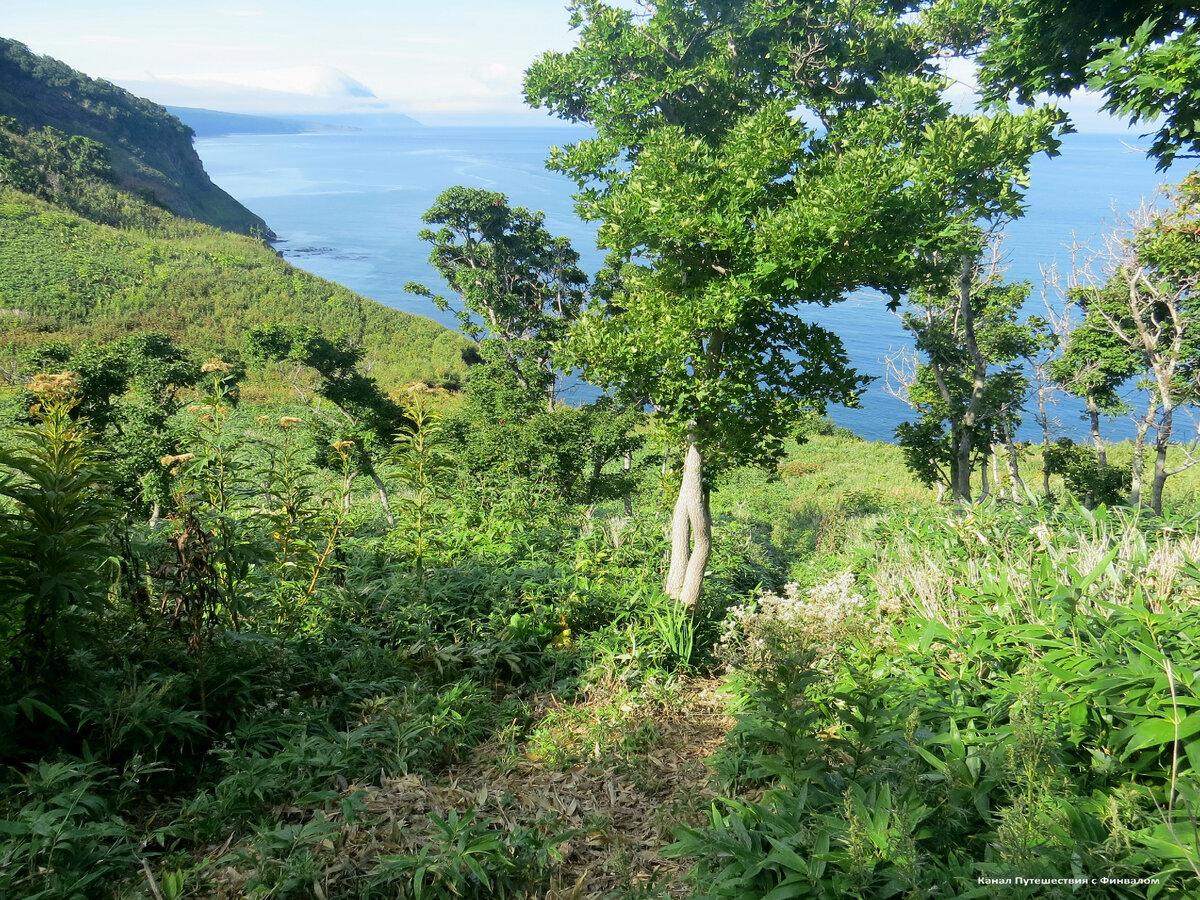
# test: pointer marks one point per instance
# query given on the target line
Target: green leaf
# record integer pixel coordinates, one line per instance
(1147, 733)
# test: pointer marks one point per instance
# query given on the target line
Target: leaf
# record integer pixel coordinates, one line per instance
(788, 890)
(1147, 733)
(787, 857)
(29, 704)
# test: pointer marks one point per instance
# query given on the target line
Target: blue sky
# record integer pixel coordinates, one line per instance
(441, 61)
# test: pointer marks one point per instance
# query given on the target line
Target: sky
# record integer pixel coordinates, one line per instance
(436, 60)
(440, 61)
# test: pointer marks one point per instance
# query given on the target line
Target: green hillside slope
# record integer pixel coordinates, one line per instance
(63, 276)
(150, 150)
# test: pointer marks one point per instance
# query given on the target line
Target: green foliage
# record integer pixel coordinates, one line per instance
(676, 628)
(54, 538)
(503, 434)
(424, 469)
(364, 420)
(970, 385)
(1142, 56)
(59, 833)
(993, 732)
(468, 858)
(521, 287)
(730, 193)
(127, 391)
(1142, 320)
(67, 279)
(1086, 478)
(931, 700)
(1095, 362)
(734, 219)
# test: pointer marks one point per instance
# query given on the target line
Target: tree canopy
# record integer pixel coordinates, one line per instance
(751, 157)
(520, 286)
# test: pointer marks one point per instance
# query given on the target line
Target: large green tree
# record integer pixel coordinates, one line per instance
(520, 289)
(750, 157)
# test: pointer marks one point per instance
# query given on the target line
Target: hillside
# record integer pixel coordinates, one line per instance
(150, 151)
(65, 277)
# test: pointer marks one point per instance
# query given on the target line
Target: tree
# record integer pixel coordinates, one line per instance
(1143, 319)
(970, 388)
(361, 413)
(751, 157)
(1142, 55)
(1094, 365)
(521, 287)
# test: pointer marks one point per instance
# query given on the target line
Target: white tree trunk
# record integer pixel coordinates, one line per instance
(691, 533)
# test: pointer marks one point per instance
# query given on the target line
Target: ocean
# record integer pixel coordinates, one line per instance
(347, 206)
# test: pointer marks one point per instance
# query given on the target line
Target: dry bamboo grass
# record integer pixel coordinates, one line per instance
(616, 818)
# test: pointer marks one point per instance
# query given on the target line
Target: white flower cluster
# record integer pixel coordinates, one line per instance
(817, 619)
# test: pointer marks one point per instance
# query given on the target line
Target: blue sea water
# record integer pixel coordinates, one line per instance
(348, 207)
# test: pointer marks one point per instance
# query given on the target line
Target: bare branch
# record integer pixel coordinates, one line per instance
(900, 374)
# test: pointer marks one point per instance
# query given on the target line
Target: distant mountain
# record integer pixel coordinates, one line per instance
(311, 93)
(149, 150)
(213, 123)
(365, 121)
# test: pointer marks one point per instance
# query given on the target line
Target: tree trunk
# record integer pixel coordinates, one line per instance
(1019, 491)
(627, 467)
(691, 532)
(1162, 440)
(383, 496)
(1043, 420)
(1138, 466)
(960, 472)
(978, 382)
(1093, 412)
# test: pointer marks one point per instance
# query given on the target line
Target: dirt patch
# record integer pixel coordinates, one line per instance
(618, 813)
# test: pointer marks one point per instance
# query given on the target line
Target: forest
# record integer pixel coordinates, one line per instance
(304, 597)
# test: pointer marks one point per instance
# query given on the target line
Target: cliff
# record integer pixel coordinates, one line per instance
(150, 151)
